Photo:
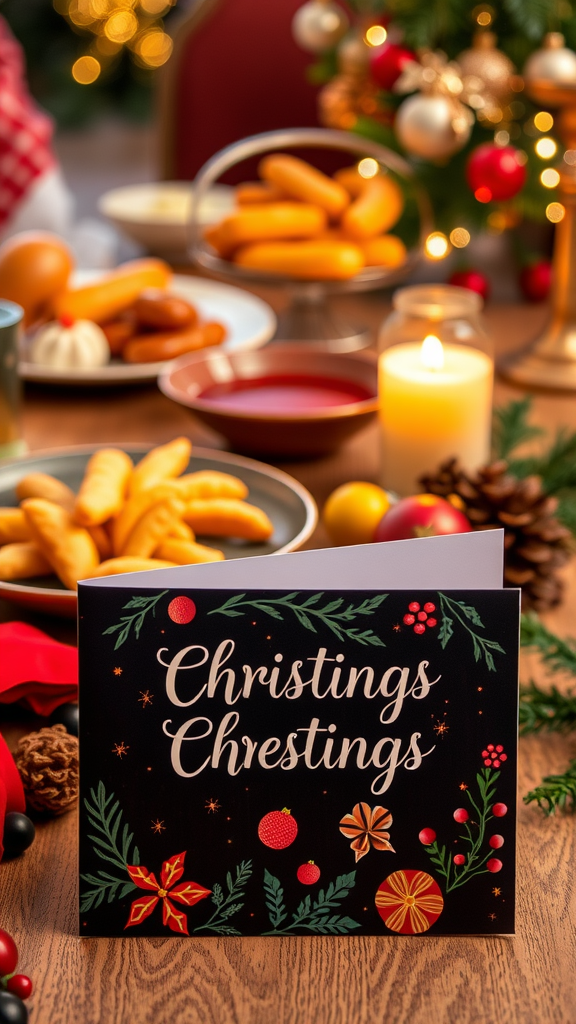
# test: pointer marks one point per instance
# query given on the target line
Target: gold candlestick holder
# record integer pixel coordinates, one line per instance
(550, 360)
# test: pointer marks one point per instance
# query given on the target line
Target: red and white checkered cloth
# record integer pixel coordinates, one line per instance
(25, 130)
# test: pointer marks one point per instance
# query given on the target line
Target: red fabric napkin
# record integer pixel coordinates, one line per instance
(36, 670)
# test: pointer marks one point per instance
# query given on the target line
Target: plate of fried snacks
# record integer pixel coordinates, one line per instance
(121, 326)
(90, 511)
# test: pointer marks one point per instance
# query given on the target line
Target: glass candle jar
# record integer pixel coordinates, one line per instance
(11, 442)
(436, 373)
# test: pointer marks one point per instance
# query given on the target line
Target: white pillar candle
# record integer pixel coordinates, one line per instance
(435, 402)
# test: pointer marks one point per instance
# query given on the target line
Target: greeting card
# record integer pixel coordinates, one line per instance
(313, 743)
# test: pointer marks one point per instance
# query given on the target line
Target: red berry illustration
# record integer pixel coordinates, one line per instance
(431, 623)
(182, 610)
(20, 985)
(8, 953)
(494, 865)
(459, 859)
(499, 810)
(278, 829)
(419, 627)
(308, 873)
(414, 606)
(427, 836)
(461, 815)
(496, 842)
(408, 620)
(422, 616)
(429, 607)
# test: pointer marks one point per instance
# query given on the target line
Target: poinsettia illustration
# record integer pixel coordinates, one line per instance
(366, 826)
(187, 893)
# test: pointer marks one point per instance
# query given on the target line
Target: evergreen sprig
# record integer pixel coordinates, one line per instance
(465, 614)
(227, 906)
(556, 654)
(105, 817)
(144, 605)
(316, 917)
(546, 710)
(333, 614)
(510, 427)
(556, 792)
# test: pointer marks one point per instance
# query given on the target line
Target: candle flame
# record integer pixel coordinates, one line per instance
(432, 353)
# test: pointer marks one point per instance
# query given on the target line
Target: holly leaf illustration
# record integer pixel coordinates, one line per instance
(274, 899)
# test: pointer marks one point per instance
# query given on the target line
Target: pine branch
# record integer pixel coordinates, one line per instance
(105, 817)
(228, 905)
(144, 605)
(461, 611)
(556, 467)
(557, 655)
(314, 916)
(556, 792)
(546, 711)
(510, 427)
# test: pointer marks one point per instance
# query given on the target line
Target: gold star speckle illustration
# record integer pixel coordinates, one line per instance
(441, 728)
(118, 671)
(496, 891)
(158, 827)
(145, 697)
(120, 749)
(397, 627)
(492, 917)
(212, 806)
(462, 786)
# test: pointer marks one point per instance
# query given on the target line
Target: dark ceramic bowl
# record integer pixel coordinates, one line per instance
(200, 380)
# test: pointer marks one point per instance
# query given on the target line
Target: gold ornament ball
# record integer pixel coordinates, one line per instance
(319, 25)
(492, 66)
(554, 63)
(432, 127)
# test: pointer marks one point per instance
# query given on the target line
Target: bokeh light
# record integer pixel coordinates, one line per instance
(543, 121)
(550, 177)
(459, 238)
(555, 212)
(368, 167)
(376, 35)
(86, 70)
(121, 26)
(546, 148)
(153, 48)
(437, 246)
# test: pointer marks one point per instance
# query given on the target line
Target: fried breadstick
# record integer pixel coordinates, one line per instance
(42, 485)
(136, 506)
(13, 526)
(69, 548)
(162, 463)
(154, 525)
(183, 552)
(22, 560)
(104, 487)
(209, 483)
(226, 517)
(116, 566)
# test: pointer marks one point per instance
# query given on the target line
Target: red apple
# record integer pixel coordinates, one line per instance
(423, 515)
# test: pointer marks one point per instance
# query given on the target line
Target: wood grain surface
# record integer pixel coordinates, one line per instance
(530, 978)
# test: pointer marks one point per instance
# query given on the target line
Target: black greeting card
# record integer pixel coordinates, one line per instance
(284, 755)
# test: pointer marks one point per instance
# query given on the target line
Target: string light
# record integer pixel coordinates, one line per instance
(376, 35)
(153, 48)
(437, 246)
(121, 26)
(502, 138)
(550, 177)
(543, 121)
(86, 70)
(555, 212)
(368, 167)
(459, 238)
(546, 148)
(117, 24)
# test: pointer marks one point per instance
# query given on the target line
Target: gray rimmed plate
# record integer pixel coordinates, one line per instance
(288, 504)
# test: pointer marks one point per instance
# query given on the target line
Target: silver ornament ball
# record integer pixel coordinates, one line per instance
(319, 25)
(432, 127)
(553, 63)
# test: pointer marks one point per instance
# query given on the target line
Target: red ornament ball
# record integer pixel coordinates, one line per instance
(8, 953)
(495, 173)
(308, 873)
(278, 829)
(427, 836)
(423, 515)
(419, 628)
(499, 810)
(536, 280)
(181, 610)
(473, 280)
(20, 985)
(496, 842)
(387, 63)
(494, 865)
(461, 815)
(459, 859)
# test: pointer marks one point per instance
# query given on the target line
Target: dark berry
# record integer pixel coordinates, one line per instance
(20, 985)
(8, 953)
(66, 715)
(12, 1009)
(19, 833)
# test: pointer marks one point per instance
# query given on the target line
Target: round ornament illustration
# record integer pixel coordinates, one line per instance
(182, 610)
(409, 902)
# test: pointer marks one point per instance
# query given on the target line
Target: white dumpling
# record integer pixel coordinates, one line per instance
(81, 344)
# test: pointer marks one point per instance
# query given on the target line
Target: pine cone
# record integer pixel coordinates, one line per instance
(536, 543)
(48, 764)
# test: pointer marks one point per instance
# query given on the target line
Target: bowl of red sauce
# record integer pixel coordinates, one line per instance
(287, 400)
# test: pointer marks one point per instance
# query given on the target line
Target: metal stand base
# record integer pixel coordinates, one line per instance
(550, 362)
(309, 318)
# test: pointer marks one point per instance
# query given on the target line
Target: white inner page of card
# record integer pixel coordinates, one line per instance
(463, 561)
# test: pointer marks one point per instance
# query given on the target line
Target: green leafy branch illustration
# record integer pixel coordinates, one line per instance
(465, 614)
(315, 917)
(333, 614)
(105, 817)
(227, 905)
(475, 864)
(144, 605)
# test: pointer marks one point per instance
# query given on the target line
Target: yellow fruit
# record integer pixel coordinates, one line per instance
(34, 267)
(353, 512)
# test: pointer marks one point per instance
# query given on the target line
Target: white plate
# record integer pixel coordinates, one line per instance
(249, 321)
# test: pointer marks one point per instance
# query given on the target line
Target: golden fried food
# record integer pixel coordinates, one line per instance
(13, 526)
(227, 517)
(183, 552)
(104, 487)
(117, 566)
(210, 483)
(162, 463)
(69, 548)
(154, 525)
(21, 560)
(42, 485)
(136, 506)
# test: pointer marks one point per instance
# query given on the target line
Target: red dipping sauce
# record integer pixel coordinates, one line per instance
(283, 394)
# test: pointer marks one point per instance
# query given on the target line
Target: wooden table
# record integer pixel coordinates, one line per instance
(350, 980)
